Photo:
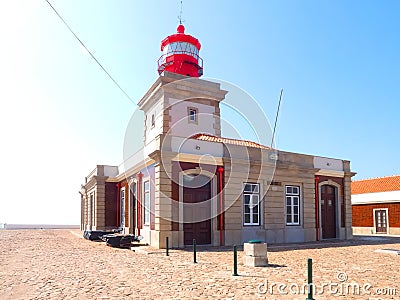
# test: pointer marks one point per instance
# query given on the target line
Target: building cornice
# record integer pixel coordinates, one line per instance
(376, 202)
(373, 198)
(131, 171)
(330, 173)
(180, 86)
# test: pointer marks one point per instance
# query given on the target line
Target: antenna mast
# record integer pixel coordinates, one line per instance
(276, 118)
(180, 14)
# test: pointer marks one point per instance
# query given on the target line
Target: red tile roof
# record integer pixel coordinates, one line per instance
(216, 139)
(376, 185)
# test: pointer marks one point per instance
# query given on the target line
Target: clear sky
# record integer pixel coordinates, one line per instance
(337, 61)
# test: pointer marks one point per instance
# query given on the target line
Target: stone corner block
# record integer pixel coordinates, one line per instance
(255, 261)
(257, 250)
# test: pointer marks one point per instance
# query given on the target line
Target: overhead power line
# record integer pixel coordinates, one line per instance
(276, 118)
(90, 53)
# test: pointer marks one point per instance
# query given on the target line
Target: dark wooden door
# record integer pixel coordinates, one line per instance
(328, 211)
(197, 217)
(381, 221)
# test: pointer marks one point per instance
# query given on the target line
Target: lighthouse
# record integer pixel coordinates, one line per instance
(180, 54)
(189, 182)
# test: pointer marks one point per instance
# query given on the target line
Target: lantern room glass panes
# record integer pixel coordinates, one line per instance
(251, 204)
(181, 48)
(292, 205)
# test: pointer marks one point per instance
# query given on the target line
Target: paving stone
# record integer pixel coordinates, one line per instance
(58, 264)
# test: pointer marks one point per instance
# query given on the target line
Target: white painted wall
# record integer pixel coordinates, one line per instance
(392, 196)
(192, 146)
(150, 147)
(180, 125)
(152, 132)
(328, 163)
(110, 171)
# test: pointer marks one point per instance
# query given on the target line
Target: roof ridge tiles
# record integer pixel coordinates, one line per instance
(219, 139)
(376, 185)
(379, 177)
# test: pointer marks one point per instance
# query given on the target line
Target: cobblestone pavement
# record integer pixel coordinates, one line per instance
(58, 264)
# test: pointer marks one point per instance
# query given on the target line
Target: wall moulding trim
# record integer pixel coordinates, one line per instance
(135, 169)
(330, 173)
(295, 167)
(217, 161)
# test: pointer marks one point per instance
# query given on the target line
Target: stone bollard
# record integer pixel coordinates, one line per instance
(255, 254)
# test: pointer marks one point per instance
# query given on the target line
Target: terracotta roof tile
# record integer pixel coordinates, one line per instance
(216, 139)
(376, 185)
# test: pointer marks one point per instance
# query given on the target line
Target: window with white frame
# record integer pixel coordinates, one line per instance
(122, 208)
(292, 205)
(146, 190)
(192, 114)
(251, 204)
(92, 211)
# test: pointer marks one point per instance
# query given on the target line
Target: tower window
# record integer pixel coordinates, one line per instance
(153, 120)
(192, 114)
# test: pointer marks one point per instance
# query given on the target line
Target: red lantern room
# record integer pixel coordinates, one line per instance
(181, 54)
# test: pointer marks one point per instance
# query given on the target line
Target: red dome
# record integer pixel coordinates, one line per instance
(181, 54)
(180, 36)
(180, 29)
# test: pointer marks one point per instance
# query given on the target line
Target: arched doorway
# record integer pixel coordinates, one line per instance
(328, 211)
(197, 209)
